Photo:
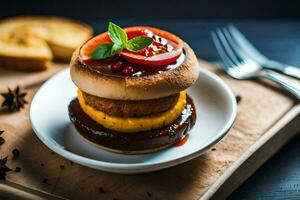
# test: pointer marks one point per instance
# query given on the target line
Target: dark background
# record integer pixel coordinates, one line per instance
(156, 9)
(273, 26)
(270, 24)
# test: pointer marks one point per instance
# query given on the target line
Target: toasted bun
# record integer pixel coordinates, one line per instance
(135, 88)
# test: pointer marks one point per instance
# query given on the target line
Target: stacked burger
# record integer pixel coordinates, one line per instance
(132, 89)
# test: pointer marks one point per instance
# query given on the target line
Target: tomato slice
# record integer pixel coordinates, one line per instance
(91, 44)
(164, 50)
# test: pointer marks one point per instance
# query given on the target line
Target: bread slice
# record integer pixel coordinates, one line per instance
(23, 51)
(29, 43)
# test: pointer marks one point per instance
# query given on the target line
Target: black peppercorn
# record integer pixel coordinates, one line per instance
(16, 153)
(18, 169)
(149, 194)
(101, 190)
(45, 180)
(238, 98)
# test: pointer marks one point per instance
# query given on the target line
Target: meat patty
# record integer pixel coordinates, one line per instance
(122, 108)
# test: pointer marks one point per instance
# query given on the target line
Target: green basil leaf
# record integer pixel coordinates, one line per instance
(116, 49)
(117, 34)
(103, 51)
(138, 43)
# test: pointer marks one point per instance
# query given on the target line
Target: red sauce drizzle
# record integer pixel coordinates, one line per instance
(182, 141)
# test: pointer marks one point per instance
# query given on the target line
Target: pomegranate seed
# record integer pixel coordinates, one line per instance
(112, 59)
(156, 43)
(142, 52)
(148, 51)
(127, 71)
(117, 66)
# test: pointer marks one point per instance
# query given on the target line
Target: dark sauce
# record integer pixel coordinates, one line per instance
(182, 141)
(145, 140)
(106, 67)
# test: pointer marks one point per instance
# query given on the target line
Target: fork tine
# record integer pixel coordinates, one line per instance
(245, 44)
(227, 62)
(228, 49)
(232, 42)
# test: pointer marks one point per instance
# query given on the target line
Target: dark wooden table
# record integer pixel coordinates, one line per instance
(279, 178)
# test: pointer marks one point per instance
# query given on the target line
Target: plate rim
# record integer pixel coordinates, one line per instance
(109, 166)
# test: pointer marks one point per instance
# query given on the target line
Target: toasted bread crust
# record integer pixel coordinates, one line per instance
(24, 64)
(135, 88)
(53, 32)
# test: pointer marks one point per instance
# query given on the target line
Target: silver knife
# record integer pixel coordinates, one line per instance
(261, 59)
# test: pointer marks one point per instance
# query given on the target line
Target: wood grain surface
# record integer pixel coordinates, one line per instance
(10, 78)
(263, 107)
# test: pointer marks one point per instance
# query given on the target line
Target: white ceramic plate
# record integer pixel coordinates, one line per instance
(216, 111)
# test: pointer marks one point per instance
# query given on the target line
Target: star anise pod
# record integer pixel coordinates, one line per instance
(3, 168)
(14, 100)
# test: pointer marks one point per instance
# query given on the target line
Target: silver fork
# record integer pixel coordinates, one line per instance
(252, 52)
(238, 65)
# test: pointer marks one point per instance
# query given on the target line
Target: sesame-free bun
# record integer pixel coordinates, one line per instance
(135, 88)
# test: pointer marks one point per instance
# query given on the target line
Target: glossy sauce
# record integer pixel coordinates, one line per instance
(106, 67)
(156, 138)
(182, 141)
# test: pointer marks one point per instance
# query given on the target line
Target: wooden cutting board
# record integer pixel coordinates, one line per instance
(267, 118)
(9, 78)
